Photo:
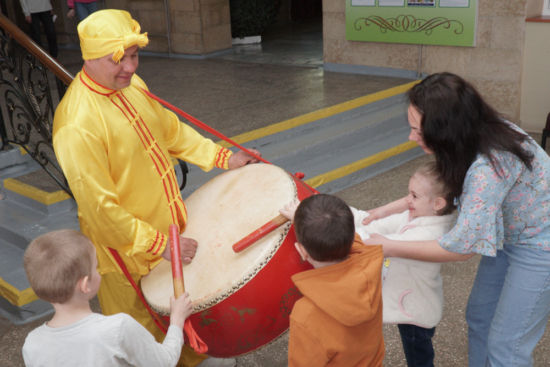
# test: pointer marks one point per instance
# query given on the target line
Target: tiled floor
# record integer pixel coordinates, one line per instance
(285, 43)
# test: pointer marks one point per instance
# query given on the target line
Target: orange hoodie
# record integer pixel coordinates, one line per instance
(338, 322)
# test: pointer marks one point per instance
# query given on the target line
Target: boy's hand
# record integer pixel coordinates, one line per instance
(180, 309)
(289, 209)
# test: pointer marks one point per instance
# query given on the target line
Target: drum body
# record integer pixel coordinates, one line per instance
(241, 301)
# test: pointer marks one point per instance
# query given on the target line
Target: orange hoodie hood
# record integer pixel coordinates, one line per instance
(350, 291)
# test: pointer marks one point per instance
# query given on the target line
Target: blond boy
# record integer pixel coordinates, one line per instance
(61, 268)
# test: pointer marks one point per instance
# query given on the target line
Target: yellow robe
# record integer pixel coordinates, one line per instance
(114, 148)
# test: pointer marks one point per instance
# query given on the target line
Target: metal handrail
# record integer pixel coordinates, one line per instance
(28, 98)
(49, 62)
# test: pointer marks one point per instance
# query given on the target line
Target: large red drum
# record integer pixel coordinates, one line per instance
(241, 301)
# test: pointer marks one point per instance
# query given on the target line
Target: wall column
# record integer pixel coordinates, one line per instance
(198, 27)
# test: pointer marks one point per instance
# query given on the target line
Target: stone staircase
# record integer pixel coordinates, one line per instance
(335, 148)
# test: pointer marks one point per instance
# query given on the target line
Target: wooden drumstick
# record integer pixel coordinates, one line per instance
(175, 251)
(179, 288)
(260, 233)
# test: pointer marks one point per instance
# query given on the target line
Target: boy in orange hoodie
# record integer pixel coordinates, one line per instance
(338, 322)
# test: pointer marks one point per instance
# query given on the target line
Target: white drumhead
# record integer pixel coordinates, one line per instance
(220, 213)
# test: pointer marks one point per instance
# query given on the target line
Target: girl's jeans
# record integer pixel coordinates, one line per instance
(417, 343)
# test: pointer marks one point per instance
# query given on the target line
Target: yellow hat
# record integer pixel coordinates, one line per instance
(109, 31)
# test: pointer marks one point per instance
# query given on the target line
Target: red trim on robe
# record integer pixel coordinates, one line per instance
(92, 89)
(154, 243)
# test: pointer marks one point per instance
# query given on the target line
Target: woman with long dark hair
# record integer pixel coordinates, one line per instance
(500, 179)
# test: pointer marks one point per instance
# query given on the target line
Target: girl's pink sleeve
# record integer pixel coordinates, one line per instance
(70, 3)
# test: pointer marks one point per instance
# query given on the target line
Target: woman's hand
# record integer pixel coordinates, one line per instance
(429, 251)
(376, 239)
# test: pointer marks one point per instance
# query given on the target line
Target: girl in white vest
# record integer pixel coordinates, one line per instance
(412, 290)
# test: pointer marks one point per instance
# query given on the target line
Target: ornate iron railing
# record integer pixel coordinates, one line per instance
(25, 84)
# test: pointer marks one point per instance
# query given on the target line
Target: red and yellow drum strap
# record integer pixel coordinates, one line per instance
(202, 125)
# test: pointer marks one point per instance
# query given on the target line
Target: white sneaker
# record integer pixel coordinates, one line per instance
(218, 362)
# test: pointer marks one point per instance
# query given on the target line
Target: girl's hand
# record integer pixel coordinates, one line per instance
(375, 214)
(70, 14)
(375, 239)
(397, 206)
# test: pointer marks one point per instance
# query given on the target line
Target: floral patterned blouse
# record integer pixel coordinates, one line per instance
(511, 207)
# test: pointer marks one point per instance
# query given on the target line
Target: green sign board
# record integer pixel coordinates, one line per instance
(426, 22)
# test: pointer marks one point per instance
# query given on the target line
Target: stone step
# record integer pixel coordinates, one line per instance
(15, 161)
(328, 144)
(18, 302)
(335, 148)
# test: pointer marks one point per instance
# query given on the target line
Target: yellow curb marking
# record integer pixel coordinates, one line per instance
(360, 164)
(23, 151)
(34, 193)
(14, 296)
(317, 115)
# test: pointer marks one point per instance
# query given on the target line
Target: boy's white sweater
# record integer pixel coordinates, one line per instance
(99, 340)
(412, 291)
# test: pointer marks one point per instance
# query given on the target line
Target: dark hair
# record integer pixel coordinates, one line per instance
(457, 125)
(324, 226)
(430, 171)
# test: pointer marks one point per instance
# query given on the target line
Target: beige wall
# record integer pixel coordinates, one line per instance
(198, 26)
(494, 66)
(535, 91)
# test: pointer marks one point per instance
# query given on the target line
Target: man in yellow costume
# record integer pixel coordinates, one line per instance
(114, 144)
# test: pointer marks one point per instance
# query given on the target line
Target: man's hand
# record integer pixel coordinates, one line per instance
(28, 18)
(289, 210)
(188, 249)
(241, 159)
(70, 14)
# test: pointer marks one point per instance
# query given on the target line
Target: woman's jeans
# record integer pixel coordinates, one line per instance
(83, 9)
(417, 344)
(508, 307)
